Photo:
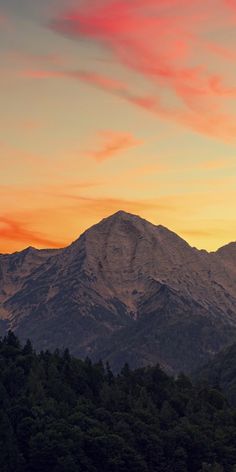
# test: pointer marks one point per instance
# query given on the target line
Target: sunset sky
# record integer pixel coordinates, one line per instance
(108, 105)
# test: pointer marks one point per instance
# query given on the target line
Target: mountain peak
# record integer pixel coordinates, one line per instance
(121, 214)
(124, 215)
(123, 228)
(121, 221)
(130, 222)
(29, 249)
(127, 285)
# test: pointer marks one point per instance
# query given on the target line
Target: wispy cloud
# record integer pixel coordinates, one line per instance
(111, 144)
(167, 50)
(92, 78)
(14, 230)
(217, 164)
(199, 113)
(3, 20)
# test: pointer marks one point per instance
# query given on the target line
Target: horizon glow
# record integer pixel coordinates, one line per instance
(111, 105)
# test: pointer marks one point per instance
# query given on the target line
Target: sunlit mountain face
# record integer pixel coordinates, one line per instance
(125, 291)
(111, 104)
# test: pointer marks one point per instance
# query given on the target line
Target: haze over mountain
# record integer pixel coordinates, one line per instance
(126, 290)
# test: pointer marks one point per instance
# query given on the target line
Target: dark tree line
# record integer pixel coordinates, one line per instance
(61, 414)
(221, 372)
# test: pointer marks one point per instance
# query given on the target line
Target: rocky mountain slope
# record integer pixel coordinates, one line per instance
(126, 290)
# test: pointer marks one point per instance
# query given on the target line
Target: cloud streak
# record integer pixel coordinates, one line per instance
(167, 50)
(112, 144)
(201, 116)
(14, 230)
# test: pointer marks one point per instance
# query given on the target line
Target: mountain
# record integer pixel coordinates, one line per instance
(126, 290)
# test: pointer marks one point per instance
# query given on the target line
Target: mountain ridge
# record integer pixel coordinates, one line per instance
(123, 275)
(114, 215)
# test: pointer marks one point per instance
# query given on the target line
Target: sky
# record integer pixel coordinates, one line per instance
(117, 104)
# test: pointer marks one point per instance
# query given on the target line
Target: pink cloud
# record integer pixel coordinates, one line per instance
(201, 115)
(163, 41)
(101, 81)
(112, 143)
(225, 53)
(3, 19)
(39, 74)
(92, 78)
(231, 4)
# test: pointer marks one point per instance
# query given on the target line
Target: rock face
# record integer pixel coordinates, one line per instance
(126, 290)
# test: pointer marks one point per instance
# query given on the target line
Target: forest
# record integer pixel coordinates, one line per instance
(62, 414)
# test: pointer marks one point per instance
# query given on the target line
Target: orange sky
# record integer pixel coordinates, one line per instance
(117, 104)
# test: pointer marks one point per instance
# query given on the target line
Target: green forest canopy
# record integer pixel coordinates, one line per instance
(61, 414)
